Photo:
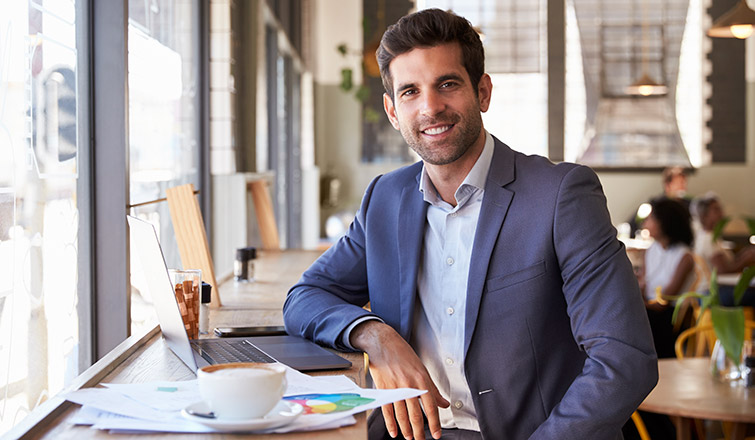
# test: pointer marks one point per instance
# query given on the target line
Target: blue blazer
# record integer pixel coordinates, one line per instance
(557, 342)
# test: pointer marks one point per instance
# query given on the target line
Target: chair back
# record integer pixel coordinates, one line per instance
(698, 341)
(640, 425)
(263, 209)
(191, 236)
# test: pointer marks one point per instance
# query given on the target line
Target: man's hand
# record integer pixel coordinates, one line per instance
(394, 364)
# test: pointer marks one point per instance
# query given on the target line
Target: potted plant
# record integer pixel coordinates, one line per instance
(728, 321)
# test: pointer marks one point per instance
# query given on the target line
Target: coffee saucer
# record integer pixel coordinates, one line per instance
(284, 413)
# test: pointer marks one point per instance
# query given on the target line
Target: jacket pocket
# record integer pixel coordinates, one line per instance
(519, 276)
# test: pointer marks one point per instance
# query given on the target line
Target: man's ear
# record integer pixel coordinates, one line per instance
(484, 90)
(390, 110)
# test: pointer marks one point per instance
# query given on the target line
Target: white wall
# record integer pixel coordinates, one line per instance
(337, 113)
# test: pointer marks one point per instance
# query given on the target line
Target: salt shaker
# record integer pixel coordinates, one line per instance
(243, 266)
(748, 371)
(204, 308)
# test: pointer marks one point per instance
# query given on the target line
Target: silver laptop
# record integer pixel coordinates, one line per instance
(295, 352)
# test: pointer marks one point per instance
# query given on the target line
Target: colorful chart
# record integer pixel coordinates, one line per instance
(328, 403)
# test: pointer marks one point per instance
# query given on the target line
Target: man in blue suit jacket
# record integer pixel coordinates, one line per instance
(495, 280)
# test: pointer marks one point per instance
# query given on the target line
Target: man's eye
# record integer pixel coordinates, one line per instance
(409, 92)
(446, 85)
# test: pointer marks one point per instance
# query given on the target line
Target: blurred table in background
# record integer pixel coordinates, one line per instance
(686, 390)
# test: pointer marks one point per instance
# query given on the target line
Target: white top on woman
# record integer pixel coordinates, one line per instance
(660, 265)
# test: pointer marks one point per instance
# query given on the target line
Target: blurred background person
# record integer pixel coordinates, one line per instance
(669, 265)
(674, 187)
(709, 212)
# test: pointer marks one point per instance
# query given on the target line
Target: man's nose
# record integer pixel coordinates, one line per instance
(432, 104)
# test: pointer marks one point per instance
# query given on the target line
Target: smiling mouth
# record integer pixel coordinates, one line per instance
(437, 130)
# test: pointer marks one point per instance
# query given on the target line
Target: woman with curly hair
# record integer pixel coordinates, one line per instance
(669, 265)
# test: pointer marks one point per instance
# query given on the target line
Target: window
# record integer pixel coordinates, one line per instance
(43, 164)
(164, 146)
(608, 44)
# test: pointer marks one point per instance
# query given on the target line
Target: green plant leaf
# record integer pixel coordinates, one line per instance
(371, 115)
(346, 80)
(719, 228)
(713, 291)
(362, 93)
(729, 325)
(743, 284)
(750, 224)
(680, 299)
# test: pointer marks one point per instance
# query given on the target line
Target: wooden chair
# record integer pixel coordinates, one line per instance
(263, 209)
(640, 425)
(191, 236)
(698, 341)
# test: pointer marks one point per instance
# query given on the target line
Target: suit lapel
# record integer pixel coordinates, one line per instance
(495, 204)
(411, 230)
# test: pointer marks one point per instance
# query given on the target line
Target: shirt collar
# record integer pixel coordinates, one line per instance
(474, 180)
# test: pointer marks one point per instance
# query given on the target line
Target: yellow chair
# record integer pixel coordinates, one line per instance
(689, 311)
(640, 425)
(699, 340)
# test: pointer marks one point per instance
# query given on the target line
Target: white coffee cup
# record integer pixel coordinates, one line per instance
(242, 390)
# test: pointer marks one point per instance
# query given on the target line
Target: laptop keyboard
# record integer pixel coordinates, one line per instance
(219, 351)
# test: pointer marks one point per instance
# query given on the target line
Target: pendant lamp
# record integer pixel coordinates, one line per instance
(645, 85)
(738, 22)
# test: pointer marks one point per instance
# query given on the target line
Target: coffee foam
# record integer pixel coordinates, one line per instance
(243, 372)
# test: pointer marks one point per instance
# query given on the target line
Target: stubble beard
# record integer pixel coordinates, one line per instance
(449, 150)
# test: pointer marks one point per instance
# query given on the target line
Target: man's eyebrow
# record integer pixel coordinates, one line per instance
(450, 76)
(403, 87)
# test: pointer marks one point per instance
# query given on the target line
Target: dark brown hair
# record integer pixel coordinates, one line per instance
(428, 28)
(673, 219)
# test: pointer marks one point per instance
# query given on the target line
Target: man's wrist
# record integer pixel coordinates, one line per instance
(345, 338)
(366, 334)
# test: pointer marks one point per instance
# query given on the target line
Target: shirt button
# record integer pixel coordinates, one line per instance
(450, 310)
(449, 261)
(458, 404)
(453, 215)
(449, 361)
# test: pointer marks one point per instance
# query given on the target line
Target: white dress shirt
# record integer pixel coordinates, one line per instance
(438, 332)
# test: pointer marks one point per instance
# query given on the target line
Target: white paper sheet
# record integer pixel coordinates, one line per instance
(155, 406)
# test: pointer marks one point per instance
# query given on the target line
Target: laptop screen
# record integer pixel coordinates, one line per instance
(151, 264)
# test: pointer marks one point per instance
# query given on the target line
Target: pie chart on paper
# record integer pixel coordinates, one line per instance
(328, 403)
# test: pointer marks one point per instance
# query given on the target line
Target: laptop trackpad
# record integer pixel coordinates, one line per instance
(299, 353)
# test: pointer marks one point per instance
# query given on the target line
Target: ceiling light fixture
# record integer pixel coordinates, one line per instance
(646, 86)
(738, 22)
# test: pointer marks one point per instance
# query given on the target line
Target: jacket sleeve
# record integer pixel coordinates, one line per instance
(332, 292)
(607, 317)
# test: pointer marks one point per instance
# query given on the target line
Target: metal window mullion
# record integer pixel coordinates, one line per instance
(85, 300)
(110, 183)
(202, 14)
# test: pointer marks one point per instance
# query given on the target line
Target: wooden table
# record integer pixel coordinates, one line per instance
(147, 358)
(686, 390)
